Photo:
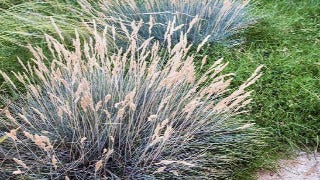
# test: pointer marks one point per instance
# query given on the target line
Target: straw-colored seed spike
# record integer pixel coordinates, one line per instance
(156, 137)
(174, 172)
(132, 106)
(28, 135)
(42, 142)
(246, 126)
(45, 132)
(41, 64)
(9, 116)
(167, 134)
(244, 103)
(60, 112)
(13, 134)
(124, 29)
(107, 153)
(98, 106)
(239, 95)
(189, 108)
(21, 163)
(82, 140)
(57, 29)
(168, 162)
(17, 172)
(83, 86)
(238, 100)
(151, 24)
(188, 70)
(54, 161)
(160, 169)
(40, 76)
(34, 53)
(113, 33)
(98, 165)
(7, 79)
(152, 118)
(254, 77)
(245, 3)
(204, 61)
(34, 90)
(178, 28)
(194, 21)
(121, 113)
(30, 68)
(25, 119)
(107, 113)
(86, 102)
(203, 43)
(19, 77)
(77, 45)
(22, 64)
(42, 117)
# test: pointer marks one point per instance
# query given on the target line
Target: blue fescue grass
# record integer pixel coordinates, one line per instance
(130, 114)
(219, 19)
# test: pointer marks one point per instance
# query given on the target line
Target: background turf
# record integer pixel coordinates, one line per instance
(286, 99)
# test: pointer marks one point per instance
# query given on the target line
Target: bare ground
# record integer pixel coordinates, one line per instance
(303, 167)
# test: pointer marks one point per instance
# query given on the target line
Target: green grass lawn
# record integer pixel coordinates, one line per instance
(287, 41)
(286, 99)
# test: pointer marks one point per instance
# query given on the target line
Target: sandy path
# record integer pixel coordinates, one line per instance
(304, 167)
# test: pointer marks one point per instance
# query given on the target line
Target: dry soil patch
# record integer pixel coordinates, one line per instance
(303, 167)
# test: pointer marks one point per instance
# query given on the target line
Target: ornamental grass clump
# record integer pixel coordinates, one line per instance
(141, 112)
(217, 20)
